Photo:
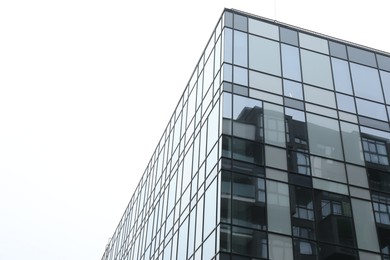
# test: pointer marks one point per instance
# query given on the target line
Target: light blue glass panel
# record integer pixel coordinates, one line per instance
(208, 73)
(240, 76)
(263, 29)
(183, 235)
(313, 43)
(342, 77)
(192, 232)
(366, 82)
(264, 55)
(385, 77)
(213, 129)
(290, 62)
(371, 109)
(383, 62)
(292, 89)
(240, 48)
(320, 74)
(228, 45)
(209, 247)
(210, 208)
(319, 96)
(324, 136)
(345, 103)
(265, 82)
(227, 72)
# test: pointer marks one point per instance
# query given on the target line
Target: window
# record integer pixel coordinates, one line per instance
(375, 151)
(381, 205)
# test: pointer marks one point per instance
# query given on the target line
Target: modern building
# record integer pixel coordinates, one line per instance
(278, 149)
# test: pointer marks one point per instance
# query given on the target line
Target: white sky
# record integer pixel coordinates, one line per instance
(86, 90)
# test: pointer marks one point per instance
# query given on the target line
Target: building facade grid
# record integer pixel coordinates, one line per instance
(277, 149)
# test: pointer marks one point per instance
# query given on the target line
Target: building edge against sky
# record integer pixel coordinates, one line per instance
(277, 149)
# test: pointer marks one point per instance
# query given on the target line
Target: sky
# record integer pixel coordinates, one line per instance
(86, 91)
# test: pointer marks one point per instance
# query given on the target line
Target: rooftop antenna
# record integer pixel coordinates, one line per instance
(275, 10)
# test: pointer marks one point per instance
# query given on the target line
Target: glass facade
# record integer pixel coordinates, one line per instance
(278, 149)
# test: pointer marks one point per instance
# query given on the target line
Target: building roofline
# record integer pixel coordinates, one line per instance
(276, 22)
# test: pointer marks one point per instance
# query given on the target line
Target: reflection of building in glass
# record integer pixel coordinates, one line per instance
(278, 149)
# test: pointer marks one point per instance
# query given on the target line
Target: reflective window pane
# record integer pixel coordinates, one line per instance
(278, 207)
(292, 89)
(319, 96)
(280, 247)
(383, 62)
(366, 82)
(240, 22)
(320, 74)
(371, 109)
(240, 75)
(345, 103)
(210, 208)
(275, 157)
(361, 56)
(290, 62)
(249, 242)
(263, 29)
(324, 136)
(338, 50)
(240, 49)
(313, 43)
(265, 82)
(288, 36)
(364, 220)
(352, 143)
(248, 204)
(385, 77)
(328, 169)
(342, 77)
(264, 55)
(274, 125)
(228, 45)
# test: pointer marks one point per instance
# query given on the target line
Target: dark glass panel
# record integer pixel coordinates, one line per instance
(329, 252)
(361, 56)
(301, 203)
(247, 151)
(249, 242)
(225, 235)
(248, 201)
(305, 250)
(288, 36)
(226, 192)
(228, 19)
(240, 22)
(379, 180)
(338, 50)
(299, 179)
(383, 62)
(334, 218)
